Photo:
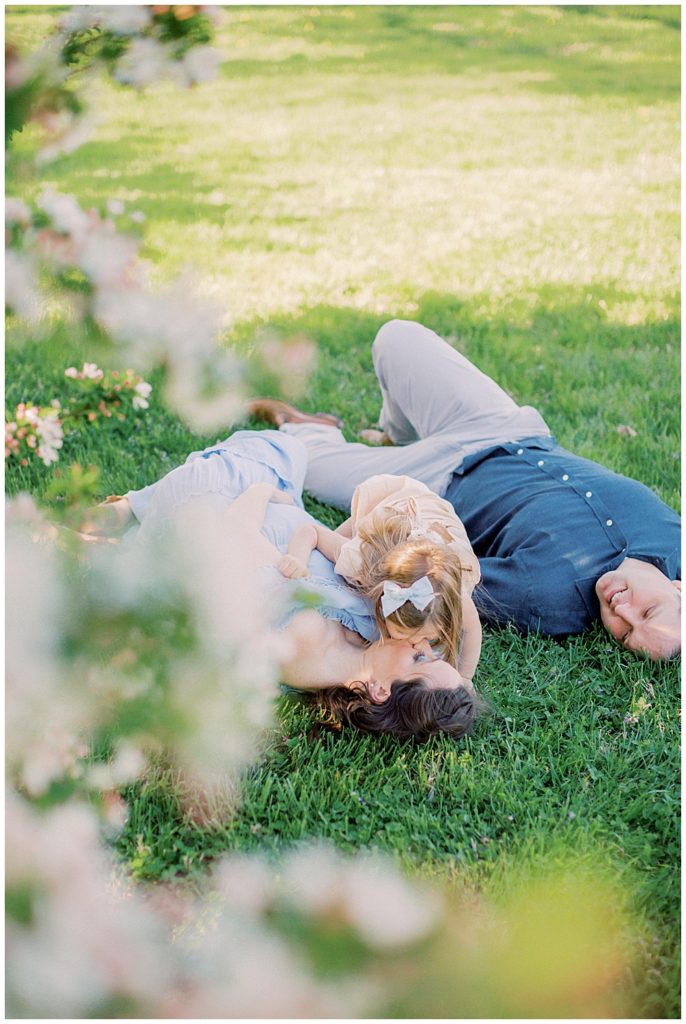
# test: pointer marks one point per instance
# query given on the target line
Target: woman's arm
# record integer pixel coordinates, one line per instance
(245, 517)
(251, 505)
(470, 650)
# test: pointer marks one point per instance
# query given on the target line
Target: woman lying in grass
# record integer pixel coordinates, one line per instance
(255, 479)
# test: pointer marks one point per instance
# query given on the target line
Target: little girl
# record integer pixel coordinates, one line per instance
(406, 550)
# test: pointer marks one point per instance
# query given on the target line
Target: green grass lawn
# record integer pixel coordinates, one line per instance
(509, 177)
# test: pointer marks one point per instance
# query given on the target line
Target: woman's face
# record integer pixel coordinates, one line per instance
(389, 660)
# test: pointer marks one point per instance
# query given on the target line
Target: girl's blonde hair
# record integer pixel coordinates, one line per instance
(388, 553)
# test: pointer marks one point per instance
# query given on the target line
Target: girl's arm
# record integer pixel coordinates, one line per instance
(470, 650)
(303, 542)
(346, 528)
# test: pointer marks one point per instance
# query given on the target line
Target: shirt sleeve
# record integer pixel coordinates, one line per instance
(349, 561)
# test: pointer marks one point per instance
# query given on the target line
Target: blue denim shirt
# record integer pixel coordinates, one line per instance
(546, 524)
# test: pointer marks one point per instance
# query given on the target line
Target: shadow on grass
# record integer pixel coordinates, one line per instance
(588, 375)
(586, 51)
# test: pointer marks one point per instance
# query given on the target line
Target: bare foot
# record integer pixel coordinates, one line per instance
(108, 519)
(375, 437)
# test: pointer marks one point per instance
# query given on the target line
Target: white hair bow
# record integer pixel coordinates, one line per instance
(420, 594)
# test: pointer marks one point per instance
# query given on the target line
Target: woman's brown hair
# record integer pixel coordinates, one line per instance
(388, 553)
(413, 710)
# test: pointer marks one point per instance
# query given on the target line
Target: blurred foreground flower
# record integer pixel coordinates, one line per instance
(100, 278)
(34, 431)
(282, 366)
(72, 951)
(147, 633)
(136, 44)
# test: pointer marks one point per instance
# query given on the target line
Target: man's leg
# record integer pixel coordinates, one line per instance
(436, 406)
(429, 388)
(335, 466)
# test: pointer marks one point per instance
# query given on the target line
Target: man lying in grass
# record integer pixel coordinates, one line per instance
(561, 540)
(254, 481)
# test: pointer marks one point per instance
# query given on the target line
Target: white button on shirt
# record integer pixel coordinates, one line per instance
(565, 476)
(540, 462)
(589, 494)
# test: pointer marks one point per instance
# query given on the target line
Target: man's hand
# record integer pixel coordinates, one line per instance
(292, 568)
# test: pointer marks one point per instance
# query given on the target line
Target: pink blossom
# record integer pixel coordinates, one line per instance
(92, 372)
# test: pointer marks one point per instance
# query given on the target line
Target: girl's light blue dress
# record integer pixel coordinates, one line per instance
(223, 471)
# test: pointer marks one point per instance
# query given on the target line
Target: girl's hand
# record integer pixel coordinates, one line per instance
(425, 648)
(292, 568)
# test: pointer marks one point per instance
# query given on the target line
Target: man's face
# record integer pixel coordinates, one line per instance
(641, 608)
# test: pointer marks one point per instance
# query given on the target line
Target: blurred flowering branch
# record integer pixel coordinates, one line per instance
(136, 45)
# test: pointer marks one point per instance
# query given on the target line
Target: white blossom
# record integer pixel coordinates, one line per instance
(124, 20)
(387, 910)
(43, 714)
(67, 216)
(67, 132)
(140, 400)
(49, 429)
(78, 18)
(17, 212)
(107, 257)
(144, 62)
(21, 285)
(83, 947)
(246, 882)
(198, 65)
(115, 207)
